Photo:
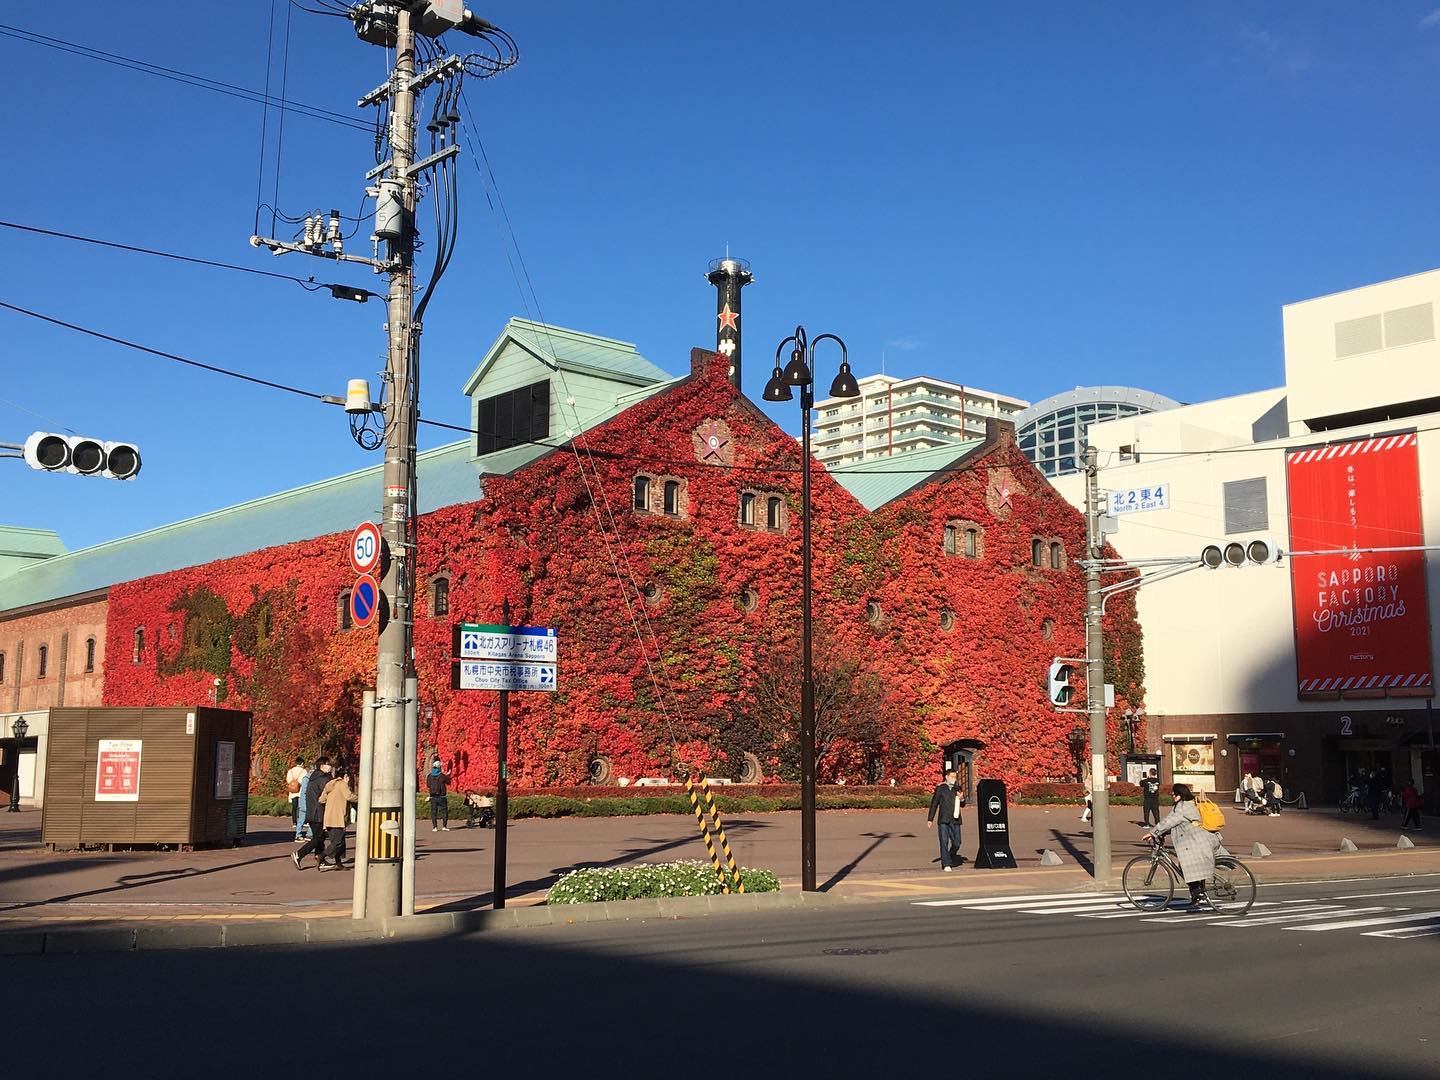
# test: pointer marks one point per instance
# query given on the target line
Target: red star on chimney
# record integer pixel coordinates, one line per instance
(729, 320)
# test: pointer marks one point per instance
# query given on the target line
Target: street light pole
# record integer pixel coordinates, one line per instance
(800, 372)
(19, 729)
(1095, 669)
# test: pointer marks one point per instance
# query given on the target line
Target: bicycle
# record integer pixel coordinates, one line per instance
(1353, 802)
(1149, 882)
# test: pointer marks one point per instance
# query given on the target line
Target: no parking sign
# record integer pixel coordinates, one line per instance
(365, 600)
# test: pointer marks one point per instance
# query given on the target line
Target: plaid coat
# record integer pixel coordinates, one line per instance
(1194, 847)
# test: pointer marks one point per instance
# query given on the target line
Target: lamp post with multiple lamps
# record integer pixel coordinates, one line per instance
(799, 372)
(1132, 717)
(19, 729)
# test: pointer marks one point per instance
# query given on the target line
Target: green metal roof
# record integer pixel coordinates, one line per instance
(557, 347)
(446, 476)
(881, 480)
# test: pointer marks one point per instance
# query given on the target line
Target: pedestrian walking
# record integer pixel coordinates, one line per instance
(437, 783)
(293, 780)
(1089, 811)
(1150, 798)
(945, 804)
(1410, 799)
(1195, 848)
(336, 798)
(1374, 794)
(314, 815)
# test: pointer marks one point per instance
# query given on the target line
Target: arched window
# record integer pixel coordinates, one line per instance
(747, 508)
(642, 493)
(972, 543)
(1057, 555)
(773, 512)
(137, 646)
(2, 667)
(950, 531)
(44, 660)
(1037, 552)
(672, 497)
(89, 654)
(347, 621)
(439, 595)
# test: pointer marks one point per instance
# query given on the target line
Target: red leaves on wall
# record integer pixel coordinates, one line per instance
(656, 650)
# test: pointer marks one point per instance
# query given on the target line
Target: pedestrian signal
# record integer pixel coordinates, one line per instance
(1060, 689)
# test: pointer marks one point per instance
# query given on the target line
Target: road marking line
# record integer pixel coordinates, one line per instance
(1378, 895)
(1055, 905)
(1422, 916)
(1174, 907)
(974, 901)
(1273, 919)
(1404, 933)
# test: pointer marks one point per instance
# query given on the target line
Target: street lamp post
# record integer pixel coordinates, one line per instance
(1076, 739)
(19, 729)
(800, 372)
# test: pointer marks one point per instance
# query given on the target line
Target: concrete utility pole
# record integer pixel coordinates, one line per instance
(389, 770)
(384, 884)
(1095, 669)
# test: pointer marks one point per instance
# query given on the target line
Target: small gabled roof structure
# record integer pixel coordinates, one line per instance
(879, 481)
(570, 350)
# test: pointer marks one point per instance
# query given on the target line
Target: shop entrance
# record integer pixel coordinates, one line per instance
(1262, 757)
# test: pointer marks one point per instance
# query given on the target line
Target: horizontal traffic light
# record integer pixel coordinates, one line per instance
(82, 455)
(1255, 553)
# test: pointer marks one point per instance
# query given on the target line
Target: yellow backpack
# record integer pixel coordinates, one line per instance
(1211, 819)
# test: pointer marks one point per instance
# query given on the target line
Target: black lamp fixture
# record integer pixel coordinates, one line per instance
(800, 371)
(19, 729)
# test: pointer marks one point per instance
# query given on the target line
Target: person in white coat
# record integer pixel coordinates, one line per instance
(1195, 847)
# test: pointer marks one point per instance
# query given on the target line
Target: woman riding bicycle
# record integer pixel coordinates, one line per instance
(1195, 848)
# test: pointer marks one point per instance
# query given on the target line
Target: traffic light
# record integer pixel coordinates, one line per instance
(1060, 689)
(1261, 552)
(84, 456)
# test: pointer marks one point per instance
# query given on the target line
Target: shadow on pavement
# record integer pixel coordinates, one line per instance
(548, 1004)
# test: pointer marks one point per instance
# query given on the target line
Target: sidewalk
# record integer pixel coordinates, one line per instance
(869, 855)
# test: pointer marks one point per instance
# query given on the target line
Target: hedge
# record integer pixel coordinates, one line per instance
(645, 881)
(730, 799)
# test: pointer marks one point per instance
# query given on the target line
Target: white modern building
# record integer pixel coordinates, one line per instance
(1051, 433)
(1319, 665)
(894, 416)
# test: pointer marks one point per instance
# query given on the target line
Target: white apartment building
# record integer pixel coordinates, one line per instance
(1324, 663)
(893, 416)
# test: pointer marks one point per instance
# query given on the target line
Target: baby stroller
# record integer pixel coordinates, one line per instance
(479, 808)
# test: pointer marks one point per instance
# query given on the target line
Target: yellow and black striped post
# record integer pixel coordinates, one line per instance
(384, 833)
(720, 832)
(705, 834)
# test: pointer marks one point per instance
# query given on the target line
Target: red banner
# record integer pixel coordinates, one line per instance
(1361, 618)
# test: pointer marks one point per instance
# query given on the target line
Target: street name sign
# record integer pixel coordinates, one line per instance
(1135, 500)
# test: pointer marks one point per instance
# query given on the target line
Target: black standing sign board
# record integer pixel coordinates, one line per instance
(993, 812)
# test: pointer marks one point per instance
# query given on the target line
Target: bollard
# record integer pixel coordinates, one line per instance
(1260, 851)
(1346, 844)
(1049, 858)
(1405, 842)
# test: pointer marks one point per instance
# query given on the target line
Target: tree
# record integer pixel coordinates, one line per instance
(857, 726)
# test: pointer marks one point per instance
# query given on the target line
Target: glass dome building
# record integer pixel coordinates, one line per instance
(1051, 433)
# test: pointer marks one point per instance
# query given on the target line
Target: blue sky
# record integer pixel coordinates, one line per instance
(1025, 197)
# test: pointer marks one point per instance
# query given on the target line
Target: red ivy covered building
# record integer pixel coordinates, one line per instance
(663, 544)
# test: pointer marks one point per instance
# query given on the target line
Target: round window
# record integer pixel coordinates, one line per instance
(874, 614)
(947, 620)
(749, 599)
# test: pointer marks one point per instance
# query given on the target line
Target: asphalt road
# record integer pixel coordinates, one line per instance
(1300, 988)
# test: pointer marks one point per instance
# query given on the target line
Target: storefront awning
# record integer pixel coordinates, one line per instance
(1254, 736)
(1188, 738)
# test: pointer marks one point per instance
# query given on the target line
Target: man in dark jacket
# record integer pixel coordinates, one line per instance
(314, 815)
(946, 803)
(436, 784)
(1150, 798)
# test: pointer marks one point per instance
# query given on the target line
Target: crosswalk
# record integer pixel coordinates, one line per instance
(1308, 916)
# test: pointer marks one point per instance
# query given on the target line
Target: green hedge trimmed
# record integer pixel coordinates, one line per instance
(554, 806)
(646, 881)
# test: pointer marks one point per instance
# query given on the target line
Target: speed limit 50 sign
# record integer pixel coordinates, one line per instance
(365, 548)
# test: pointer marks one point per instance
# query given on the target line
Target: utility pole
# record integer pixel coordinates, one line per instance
(1095, 670)
(389, 770)
(384, 884)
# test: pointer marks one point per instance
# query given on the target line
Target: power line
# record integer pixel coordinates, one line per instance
(305, 283)
(218, 86)
(160, 352)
